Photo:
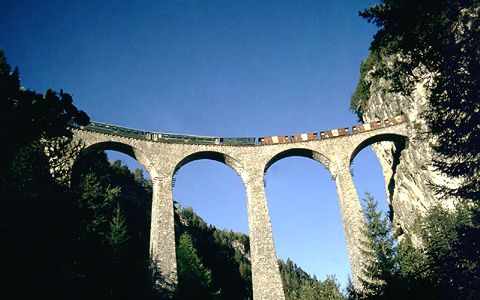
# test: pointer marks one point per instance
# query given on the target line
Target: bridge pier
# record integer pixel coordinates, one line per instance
(163, 265)
(352, 218)
(266, 280)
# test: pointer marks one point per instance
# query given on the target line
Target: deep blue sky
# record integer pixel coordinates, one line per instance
(220, 68)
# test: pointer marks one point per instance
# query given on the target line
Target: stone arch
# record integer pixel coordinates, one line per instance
(303, 152)
(124, 148)
(401, 141)
(217, 156)
(385, 137)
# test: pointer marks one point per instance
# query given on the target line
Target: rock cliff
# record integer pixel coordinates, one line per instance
(406, 168)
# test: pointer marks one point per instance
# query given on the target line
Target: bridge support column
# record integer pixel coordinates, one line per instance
(353, 219)
(266, 280)
(163, 256)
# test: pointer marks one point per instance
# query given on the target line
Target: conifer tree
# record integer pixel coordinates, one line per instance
(118, 235)
(379, 249)
(193, 278)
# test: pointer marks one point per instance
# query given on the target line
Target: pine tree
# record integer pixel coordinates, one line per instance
(379, 249)
(97, 203)
(193, 278)
(118, 236)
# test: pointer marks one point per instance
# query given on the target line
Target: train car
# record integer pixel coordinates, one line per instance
(366, 127)
(304, 137)
(273, 140)
(334, 133)
(237, 141)
(112, 129)
(182, 138)
(94, 126)
(394, 120)
(139, 134)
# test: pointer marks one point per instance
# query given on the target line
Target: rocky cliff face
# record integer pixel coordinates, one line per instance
(409, 175)
(406, 168)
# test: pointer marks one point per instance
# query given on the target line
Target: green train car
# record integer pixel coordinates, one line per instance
(112, 129)
(237, 141)
(181, 138)
(145, 135)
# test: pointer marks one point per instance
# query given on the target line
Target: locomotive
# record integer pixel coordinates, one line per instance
(238, 141)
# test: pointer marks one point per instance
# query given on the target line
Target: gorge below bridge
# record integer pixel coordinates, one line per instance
(163, 159)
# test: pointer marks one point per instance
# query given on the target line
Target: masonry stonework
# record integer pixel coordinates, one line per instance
(163, 159)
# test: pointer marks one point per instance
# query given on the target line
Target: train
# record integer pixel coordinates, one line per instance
(239, 141)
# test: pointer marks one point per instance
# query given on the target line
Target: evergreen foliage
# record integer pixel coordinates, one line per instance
(39, 220)
(380, 248)
(227, 255)
(444, 268)
(393, 270)
(359, 99)
(194, 278)
(224, 252)
(118, 236)
(297, 284)
(28, 118)
(452, 250)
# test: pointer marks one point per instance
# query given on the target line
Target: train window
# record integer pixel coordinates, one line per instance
(114, 127)
(136, 132)
(122, 129)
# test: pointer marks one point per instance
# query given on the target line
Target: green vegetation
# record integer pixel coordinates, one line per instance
(445, 267)
(297, 284)
(394, 270)
(225, 256)
(359, 99)
(84, 239)
(223, 259)
(195, 279)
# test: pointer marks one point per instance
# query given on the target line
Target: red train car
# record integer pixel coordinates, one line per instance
(334, 133)
(394, 120)
(366, 127)
(273, 140)
(304, 137)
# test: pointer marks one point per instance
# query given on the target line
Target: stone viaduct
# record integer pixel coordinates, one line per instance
(162, 160)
